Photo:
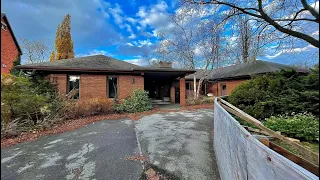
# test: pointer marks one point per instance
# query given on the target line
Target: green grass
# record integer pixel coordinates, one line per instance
(312, 146)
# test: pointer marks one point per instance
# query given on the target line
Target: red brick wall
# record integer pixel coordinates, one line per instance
(95, 86)
(60, 81)
(125, 86)
(182, 92)
(9, 51)
(230, 84)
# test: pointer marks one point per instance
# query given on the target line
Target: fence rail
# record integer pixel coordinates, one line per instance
(241, 156)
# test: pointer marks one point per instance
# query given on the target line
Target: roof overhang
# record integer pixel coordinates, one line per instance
(180, 72)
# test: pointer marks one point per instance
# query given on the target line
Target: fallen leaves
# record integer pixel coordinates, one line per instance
(77, 123)
(136, 158)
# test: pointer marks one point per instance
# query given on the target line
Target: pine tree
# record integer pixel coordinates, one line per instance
(52, 56)
(63, 41)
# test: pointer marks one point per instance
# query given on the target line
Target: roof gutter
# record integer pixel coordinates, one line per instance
(46, 68)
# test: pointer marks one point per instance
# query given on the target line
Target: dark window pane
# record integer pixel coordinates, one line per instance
(224, 87)
(73, 86)
(187, 86)
(112, 87)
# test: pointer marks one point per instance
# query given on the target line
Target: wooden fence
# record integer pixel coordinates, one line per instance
(241, 156)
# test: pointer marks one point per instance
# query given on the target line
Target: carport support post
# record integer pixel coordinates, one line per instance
(182, 91)
(172, 94)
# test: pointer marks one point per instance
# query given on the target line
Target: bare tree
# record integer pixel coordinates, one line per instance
(192, 41)
(288, 17)
(249, 44)
(36, 50)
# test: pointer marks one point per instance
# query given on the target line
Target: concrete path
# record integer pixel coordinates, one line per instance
(96, 151)
(180, 143)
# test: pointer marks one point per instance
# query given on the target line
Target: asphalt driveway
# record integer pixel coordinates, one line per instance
(96, 151)
(180, 143)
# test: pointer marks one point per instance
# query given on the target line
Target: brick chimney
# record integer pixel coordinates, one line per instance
(165, 64)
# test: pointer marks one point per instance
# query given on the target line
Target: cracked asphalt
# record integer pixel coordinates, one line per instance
(96, 151)
(179, 143)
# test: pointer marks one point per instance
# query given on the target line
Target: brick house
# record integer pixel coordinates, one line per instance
(10, 49)
(105, 77)
(222, 81)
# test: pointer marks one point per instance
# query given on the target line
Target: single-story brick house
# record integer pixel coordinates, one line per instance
(222, 81)
(100, 76)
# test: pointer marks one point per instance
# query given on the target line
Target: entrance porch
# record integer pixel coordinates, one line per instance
(166, 87)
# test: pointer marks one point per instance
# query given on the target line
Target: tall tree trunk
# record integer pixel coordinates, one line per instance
(199, 87)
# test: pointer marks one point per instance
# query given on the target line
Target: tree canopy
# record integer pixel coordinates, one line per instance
(63, 40)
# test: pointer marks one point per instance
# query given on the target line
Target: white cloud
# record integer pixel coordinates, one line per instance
(132, 36)
(95, 52)
(316, 33)
(142, 12)
(290, 51)
(129, 44)
(129, 29)
(144, 43)
(138, 61)
(116, 13)
(131, 20)
(155, 16)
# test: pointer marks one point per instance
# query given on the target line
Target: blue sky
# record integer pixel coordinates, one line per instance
(123, 29)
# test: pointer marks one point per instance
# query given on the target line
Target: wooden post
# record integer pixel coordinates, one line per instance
(309, 155)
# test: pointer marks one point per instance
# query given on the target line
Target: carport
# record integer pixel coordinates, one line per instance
(166, 84)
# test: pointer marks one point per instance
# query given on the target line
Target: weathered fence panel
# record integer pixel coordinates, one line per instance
(241, 156)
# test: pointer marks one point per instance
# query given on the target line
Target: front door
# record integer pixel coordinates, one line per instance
(177, 95)
(223, 89)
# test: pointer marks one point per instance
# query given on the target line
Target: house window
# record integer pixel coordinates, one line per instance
(112, 87)
(224, 87)
(73, 87)
(188, 86)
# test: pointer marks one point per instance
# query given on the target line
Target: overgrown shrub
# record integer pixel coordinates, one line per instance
(137, 102)
(74, 109)
(200, 100)
(278, 93)
(302, 126)
(25, 103)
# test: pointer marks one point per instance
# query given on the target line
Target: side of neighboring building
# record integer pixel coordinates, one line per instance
(221, 81)
(10, 49)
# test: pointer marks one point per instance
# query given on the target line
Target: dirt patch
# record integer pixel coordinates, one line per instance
(153, 172)
(200, 106)
(77, 123)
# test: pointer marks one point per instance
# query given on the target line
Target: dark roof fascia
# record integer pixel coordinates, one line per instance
(248, 76)
(48, 68)
(4, 16)
(232, 78)
(69, 69)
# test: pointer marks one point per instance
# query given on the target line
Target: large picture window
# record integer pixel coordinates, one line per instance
(112, 86)
(73, 86)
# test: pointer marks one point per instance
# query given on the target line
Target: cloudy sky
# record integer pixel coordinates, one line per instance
(123, 29)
